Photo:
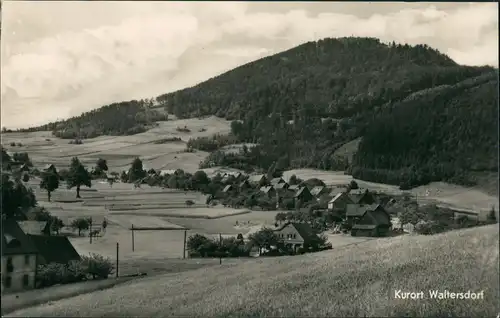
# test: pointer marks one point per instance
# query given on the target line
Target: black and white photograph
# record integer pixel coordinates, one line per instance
(249, 159)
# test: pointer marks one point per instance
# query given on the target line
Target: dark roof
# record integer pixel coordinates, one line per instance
(49, 166)
(304, 230)
(294, 187)
(301, 191)
(227, 188)
(266, 189)
(14, 240)
(55, 249)
(280, 185)
(360, 210)
(358, 191)
(244, 182)
(277, 180)
(317, 190)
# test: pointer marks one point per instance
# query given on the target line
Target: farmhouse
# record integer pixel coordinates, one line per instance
(361, 196)
(294, 188)
(269, 191)
(257, 179)
(50, 168)
(304, 195)
(244, 185)
(281, 186)
(227, 189)
(368, 220)
(35, 227)
(296, 235)
(19, 258)
(339, 202)
(54, 249)
(24, 168)
(276, 181)
(318, 191)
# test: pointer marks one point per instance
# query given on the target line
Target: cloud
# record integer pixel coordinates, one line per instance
(67, 58)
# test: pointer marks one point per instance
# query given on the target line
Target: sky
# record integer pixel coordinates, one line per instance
(59, 59)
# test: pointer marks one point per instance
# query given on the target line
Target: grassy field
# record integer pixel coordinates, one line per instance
(44, 148)
(355, 281)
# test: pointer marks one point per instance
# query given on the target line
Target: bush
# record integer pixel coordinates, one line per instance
(94, 266)
(189, 202)
(26, 177)
(429, 228)
(12, 144)
(97, 266)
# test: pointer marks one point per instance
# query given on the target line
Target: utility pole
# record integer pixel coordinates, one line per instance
(117, 264)
(133, 239)
(184, 246)
(220, 243)
(90, 230)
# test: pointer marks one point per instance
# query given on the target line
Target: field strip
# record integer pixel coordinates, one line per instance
(179, 215)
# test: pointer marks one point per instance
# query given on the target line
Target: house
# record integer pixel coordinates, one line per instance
(24, 168)
(167, 172)
(368, 220)
(276, 181)
(269, 191)
(54, 249)
(227, 189)
(361, 196)
(281, 186)
(35, 227)
(257, 179)
(339, 202)
(294, 188)
(318, 191)
(19, 258)
(338, 189)
(303, 194)
(50, 168)
(244, 185)
(296, 235)
(475, 216)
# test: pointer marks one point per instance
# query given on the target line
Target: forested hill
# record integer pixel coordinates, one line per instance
(422, 116)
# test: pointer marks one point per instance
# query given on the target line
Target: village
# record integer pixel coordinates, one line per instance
(306, 216)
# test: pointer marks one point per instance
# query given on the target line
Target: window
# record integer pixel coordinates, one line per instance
(8, 281)
(26, 259)
(295, 236)
(10, 266)
(26, 280)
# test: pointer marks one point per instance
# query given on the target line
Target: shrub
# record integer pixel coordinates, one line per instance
(183, 129)
(26, 177)
(97, 266)
(12, 144)
(189, 202)
(19, 144)
(429, 228)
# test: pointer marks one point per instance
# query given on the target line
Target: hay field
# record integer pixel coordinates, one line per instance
(435, 192)
(44, 148)
(146, 208)
(345, 282)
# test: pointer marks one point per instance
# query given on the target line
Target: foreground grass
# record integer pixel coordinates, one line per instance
(11, 302)
(353, 281)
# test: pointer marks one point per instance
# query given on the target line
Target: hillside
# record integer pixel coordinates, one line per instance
(427, 118)
(351, 282)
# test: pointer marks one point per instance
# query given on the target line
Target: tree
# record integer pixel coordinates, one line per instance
(26, 177)
(16, 198)
(101, 165)
(264, 238)
(353, 185)
(492, 215)
(78, 176)
(293, 180)
(199, 179)
(80, 224)
(56, 224)
(136, 171)
(50, 182)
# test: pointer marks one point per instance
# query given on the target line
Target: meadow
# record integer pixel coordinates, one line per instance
(355, 281)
